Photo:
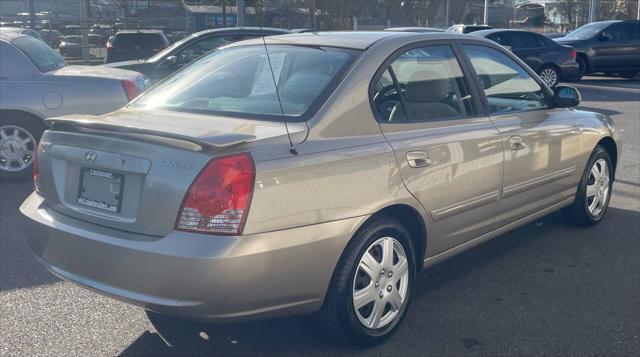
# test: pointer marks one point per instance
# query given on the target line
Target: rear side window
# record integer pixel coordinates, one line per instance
(140, 40)
(423, 84)
(41, 55)
(239, 82)
(507, 86)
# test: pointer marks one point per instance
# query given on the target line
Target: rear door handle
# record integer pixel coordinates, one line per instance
(418, 158)
(517, 142)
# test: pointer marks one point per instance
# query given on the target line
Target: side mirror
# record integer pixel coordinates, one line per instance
(566, 97)
(604, 36)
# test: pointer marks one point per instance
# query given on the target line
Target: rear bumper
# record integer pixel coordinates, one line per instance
(193, 275)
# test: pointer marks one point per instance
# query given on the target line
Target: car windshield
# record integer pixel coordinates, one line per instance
(139, 39)
(42, 56)
(239, 82)
(585, 32)
(160, 55)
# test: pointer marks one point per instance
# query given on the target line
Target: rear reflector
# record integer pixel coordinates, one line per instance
(130, 89)
(218, 200)
(572, 53)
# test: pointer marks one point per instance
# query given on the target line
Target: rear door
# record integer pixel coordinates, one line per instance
(528, 48)
(541, 167)
(449, 153)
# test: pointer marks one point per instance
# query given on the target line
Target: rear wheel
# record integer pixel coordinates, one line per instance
(371, 286)
(19, 136)
(549, 75)
(594, 190)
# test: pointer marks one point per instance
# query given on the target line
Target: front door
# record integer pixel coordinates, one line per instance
(450, 156)
(540, 143)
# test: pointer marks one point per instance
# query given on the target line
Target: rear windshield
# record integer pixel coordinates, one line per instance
(238, 82)
(141, 40)
(40, 54)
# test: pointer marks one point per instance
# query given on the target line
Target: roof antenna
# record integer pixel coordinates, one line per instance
(292, 149)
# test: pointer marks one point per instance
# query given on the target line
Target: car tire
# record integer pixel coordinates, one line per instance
(549, 75)
(582, 67)
(19, 137)
(585, 211)
(387, 296)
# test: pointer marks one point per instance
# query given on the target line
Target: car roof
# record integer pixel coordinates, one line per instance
(159, 32)
(9, 35)
(414, 29)
(241, 30)
(347, 39)
(490, 31)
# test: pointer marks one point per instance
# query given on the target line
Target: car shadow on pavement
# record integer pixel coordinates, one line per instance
(18, 269)
(519, 252)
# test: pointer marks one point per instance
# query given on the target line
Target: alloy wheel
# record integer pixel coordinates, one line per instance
(549, 76)
(381, 283)
(598, 187)
(17, 148)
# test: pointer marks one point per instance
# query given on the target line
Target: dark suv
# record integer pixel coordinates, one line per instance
(607, 46)
(190, 48)
(135, 44)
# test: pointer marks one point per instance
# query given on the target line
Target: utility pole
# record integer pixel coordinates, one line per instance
(592, 10)
(486, 12)
(32, 14)
(638, 16)
(312, 15)
(224, 13)
(240, 13)
(446, 21)
(84, 31)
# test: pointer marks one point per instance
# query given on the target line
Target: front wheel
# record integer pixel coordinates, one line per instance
(372, 283)
(549, 76)
(594, 190)
(582, 67)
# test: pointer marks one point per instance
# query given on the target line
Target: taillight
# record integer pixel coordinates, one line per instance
(572, 53)
(130, 89)
(218, 200)
(36, 171)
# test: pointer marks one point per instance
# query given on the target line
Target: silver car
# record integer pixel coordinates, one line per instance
(35, 83)
(214, 196)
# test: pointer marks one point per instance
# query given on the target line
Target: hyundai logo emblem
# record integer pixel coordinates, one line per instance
(90, 156)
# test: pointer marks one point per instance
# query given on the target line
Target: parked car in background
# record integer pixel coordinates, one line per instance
(553, 35)
(190, 48)
(606, 46)
(551, 61)
(71, 46)
(103, 30)
(400, 150)
(71, 30)
(36, 83)
(135, 44)
(54, 37)
(460, 28)
(414, 29)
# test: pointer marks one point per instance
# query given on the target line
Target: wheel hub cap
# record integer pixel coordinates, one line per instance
(381, 282)
(549, 77)
(598, 187)
(17, 147)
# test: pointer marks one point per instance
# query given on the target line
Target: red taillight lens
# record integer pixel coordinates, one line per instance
(219, 198)
(130, 89)
(36, 171)
(573, 54)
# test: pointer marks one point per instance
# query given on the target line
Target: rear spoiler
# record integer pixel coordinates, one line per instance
(214, 139)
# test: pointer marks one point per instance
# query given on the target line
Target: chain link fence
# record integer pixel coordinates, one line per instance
(63, 22)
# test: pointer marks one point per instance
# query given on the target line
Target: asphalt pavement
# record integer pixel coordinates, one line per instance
(547, 288)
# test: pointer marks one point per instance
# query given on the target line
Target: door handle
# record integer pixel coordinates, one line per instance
(418, 158)
(517, 142)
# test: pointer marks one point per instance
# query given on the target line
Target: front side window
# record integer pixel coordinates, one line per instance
(239, 82)
(507, 86)
(41, 55)
(423, 84)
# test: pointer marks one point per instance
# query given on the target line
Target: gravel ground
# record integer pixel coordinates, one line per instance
(544, 289)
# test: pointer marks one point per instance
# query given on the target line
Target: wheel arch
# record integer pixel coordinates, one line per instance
(411, 219)
(612, 148)
(586, 60)
(21, 113)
